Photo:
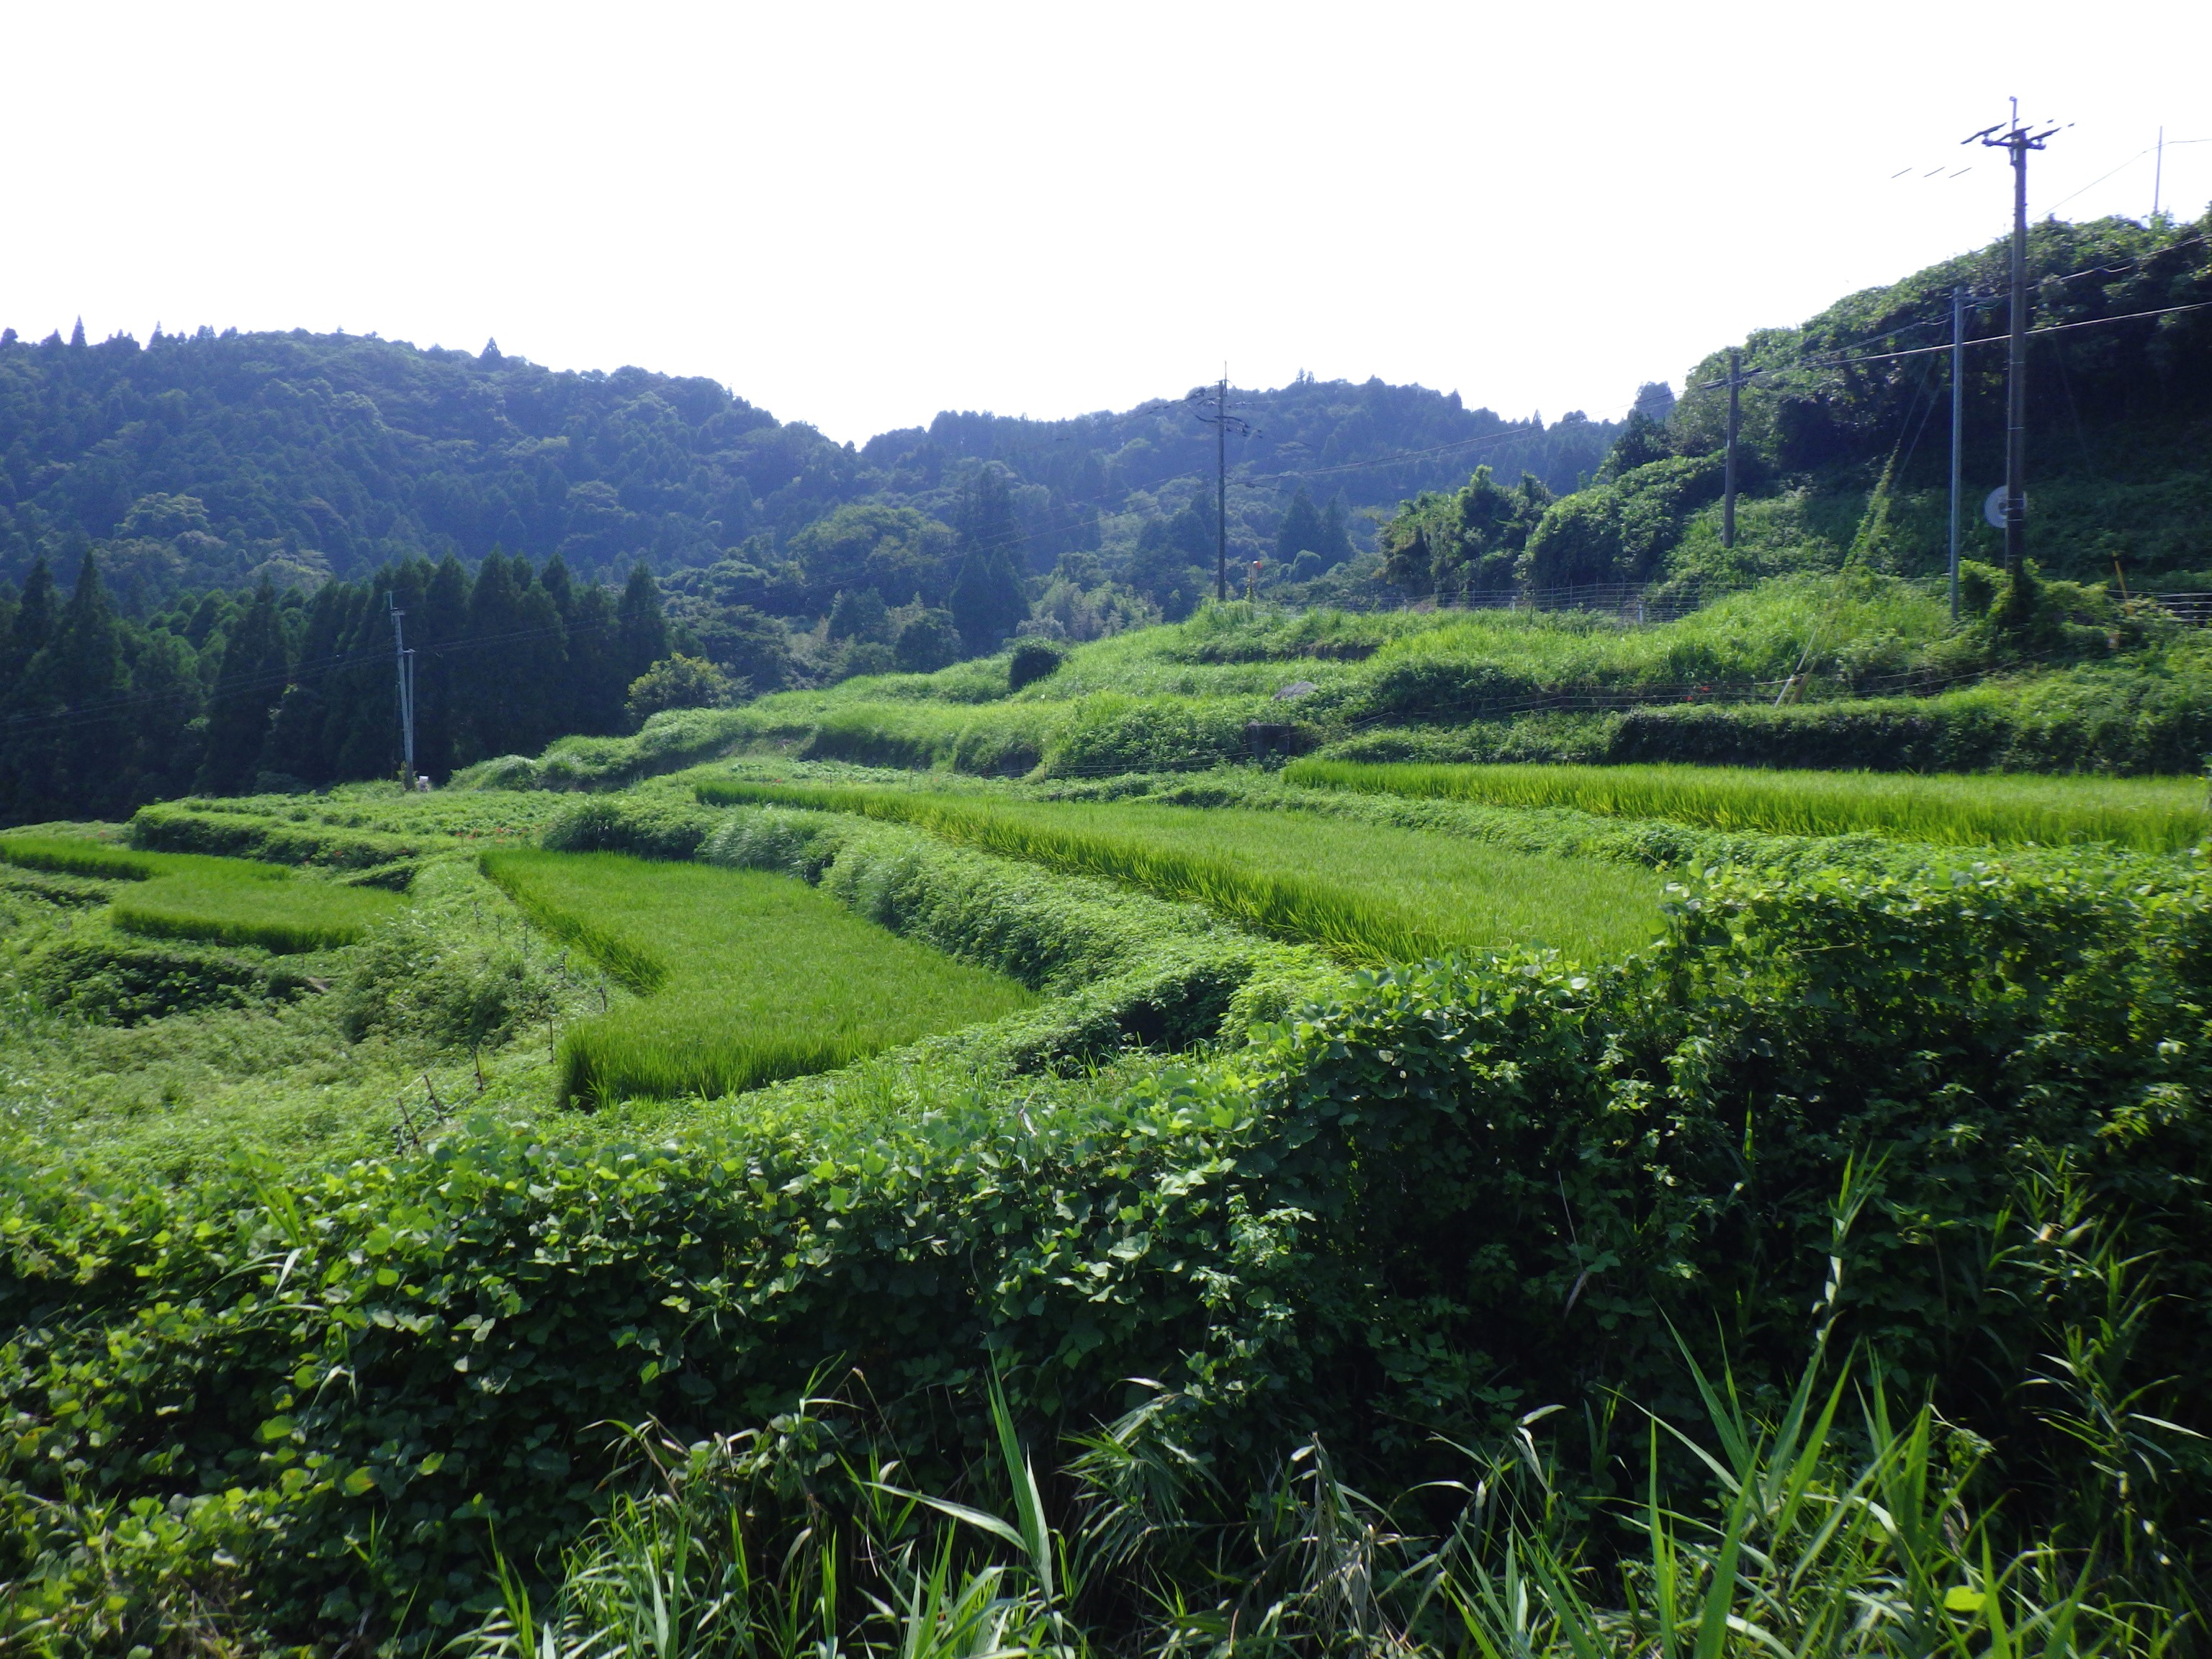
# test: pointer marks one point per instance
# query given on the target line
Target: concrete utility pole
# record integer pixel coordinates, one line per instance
(1958, 427)
(1223, 423)
(405, 661)
(1735, 422)
(1221, 495)
(2018, 140)
(1737, 378)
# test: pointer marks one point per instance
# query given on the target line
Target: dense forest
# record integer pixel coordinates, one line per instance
(208, 460)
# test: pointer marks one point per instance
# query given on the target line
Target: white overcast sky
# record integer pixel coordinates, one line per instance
(858, 214)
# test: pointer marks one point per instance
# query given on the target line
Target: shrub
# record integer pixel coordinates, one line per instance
(646, 827)
(1032, 660)
(680, 682)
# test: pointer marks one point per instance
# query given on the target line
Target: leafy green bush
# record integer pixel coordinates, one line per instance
(681, 682)
(646, 827)
(1032, 660)
(423, 978)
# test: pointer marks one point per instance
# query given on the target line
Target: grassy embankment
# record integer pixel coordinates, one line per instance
(1363, 892)
(2155, 815)
(221, 901)
(743, 977)
(1887, 682)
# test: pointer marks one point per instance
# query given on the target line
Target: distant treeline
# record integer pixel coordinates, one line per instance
(225, 691)
(213, 460)
(232, 692)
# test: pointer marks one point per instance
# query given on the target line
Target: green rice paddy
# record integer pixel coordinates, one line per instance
(219, 899)
(744, 977)
(1364, 893)
(2151, 814)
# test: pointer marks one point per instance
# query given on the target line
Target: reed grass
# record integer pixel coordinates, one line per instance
(2156, 815)
(745, 977)
(220, 901)
(1363, 892)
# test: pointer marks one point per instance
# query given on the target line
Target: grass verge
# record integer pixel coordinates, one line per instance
(2155, 815)
(746, 977)
(1363, 892)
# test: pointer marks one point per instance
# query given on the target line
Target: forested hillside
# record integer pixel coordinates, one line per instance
(1845, 448)
(210, 460)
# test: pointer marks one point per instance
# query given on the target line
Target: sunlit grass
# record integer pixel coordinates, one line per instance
(221, 901)
(744, 977)
(2151, 814)
(1364, 893)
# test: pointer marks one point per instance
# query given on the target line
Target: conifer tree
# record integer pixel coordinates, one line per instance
(249, 686)
(34, 617)
(987, 601)
(1302, 530)
(436, 623)
(640, 629)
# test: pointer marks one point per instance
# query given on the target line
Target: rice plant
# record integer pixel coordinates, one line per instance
(219, 899)
(1363, 892)
(743, 977)
(2149, 814)
(69, 856)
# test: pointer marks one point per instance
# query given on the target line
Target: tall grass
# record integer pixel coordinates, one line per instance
(2151, 814)
(1364, 893)
(745, 977)
(1800, 1534)
(219, 899)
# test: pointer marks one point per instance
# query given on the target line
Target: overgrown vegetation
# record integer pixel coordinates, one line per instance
(1883, 1112)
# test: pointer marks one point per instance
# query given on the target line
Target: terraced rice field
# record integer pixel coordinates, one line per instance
(2155, 815)
(222, 901)
(1364, 893)
(743, 977)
